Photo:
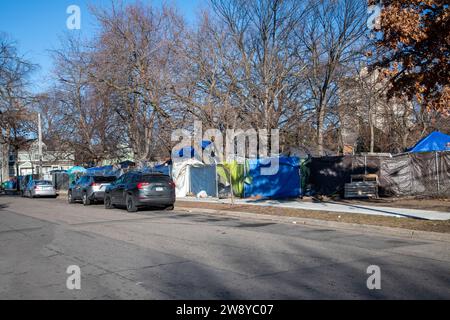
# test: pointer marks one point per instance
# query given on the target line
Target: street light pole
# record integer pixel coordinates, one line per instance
(40, 145)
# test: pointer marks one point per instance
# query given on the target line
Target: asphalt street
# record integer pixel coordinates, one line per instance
(182, 255)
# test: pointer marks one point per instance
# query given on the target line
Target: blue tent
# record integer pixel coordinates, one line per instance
(284, 183)
(105, 170)
(76, 169)
(180, 153)
(435, 141)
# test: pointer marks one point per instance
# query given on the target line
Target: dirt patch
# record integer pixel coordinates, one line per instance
(405, 223)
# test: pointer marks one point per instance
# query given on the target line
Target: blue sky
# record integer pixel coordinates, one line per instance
(37, 26)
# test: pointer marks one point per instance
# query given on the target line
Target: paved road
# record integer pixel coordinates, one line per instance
(176, 255)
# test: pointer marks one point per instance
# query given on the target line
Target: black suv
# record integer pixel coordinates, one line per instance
(137, 189)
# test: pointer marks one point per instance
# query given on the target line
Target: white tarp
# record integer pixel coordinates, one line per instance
(193, 176)
(180, 175)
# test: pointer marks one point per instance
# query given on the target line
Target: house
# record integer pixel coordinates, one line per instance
(27, 161)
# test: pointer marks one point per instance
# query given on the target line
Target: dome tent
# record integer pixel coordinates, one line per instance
(435, 141)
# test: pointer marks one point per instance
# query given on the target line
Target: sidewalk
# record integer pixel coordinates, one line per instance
(332, 207)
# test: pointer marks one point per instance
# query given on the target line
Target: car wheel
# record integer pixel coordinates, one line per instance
(86, 200)
(169, 208)
(131, 206)
(107, 202)
(70, 197)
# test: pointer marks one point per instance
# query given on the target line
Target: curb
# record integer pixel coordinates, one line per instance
(365, 228)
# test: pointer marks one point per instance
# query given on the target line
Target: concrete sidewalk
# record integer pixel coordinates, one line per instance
(333, 207)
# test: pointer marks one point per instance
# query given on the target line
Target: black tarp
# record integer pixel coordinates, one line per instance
(412, 174)
(328, 175)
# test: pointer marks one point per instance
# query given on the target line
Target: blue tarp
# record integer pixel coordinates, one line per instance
(106, 170)
(76, 169)
(203, 178)
(435, 141)
(162, 168)
(285, 183)
(191, 149)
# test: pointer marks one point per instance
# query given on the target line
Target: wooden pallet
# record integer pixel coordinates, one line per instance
(361, 189)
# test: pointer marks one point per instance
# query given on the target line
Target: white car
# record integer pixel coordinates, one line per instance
(40, 188)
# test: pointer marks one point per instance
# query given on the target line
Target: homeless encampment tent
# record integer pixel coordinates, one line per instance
(60, 179)
(423, 171)
(101, 171)
(416, 174)
(273, 178)
(328, 175)
(435, 141)
(75, 172)
(192, 176)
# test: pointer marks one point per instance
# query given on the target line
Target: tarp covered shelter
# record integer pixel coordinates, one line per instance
(101, 171)
(435, 141)
(328, 175)
(192, 176)
(75, 172)
(416, 174)
(190, 150)
(284, 183)
(163, 168)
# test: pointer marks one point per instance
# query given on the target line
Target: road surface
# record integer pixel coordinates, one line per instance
(180, 255)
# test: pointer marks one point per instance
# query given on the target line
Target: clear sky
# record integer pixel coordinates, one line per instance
(38, 25)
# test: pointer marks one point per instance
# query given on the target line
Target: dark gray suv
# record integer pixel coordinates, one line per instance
(89, 189)
(135, 190)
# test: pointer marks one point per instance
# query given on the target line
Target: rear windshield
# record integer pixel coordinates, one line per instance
(104, 179)
(154, 178)
(42, 183)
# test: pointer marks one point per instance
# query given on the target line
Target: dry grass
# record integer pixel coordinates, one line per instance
(405, 223)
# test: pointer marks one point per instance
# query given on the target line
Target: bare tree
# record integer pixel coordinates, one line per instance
(329, 41)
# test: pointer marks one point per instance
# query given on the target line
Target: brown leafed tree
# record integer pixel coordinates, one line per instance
(413, 46)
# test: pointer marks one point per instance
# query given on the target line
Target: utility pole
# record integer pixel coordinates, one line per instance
(40, 145)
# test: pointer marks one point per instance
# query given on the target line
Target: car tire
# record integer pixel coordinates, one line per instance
(86, 200)
(107, 202)
(70, 198)
(131, 206)
(169, 208)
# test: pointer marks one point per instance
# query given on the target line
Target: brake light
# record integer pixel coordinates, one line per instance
(93, 184)
(172, 184)
(142, 185)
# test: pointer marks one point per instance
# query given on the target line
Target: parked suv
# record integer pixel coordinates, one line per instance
(89, 189)
(135, 190)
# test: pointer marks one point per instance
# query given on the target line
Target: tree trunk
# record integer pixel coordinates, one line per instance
(319, 131)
